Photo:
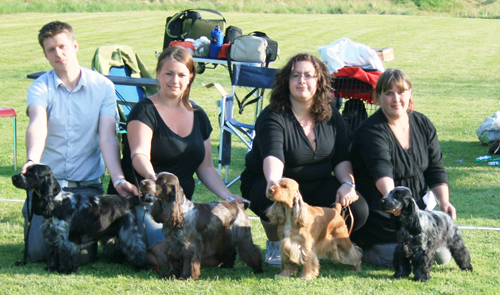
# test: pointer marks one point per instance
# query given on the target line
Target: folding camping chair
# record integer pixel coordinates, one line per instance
(255, 80)
(122, 61)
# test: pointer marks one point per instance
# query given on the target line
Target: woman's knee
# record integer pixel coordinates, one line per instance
(360, 212)
(379, 255)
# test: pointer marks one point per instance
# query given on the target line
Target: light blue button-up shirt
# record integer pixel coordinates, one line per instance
(72, 145)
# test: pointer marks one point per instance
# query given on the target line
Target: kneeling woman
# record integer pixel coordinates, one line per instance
(168, 132)
(300, 135)
(396, 146)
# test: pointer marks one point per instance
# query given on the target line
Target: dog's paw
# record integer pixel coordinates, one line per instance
(356, 267)
(67, 271)
(258, 270)
(400, 274)
(421, 278)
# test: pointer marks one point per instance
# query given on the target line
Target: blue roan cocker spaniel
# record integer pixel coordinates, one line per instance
(73, 221)
(421, 235)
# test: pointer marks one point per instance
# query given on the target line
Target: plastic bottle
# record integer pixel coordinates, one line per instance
(216, 41)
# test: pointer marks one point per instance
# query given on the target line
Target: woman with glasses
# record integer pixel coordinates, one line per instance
(300, 135)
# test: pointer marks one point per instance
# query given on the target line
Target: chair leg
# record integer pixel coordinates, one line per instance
(15, 144)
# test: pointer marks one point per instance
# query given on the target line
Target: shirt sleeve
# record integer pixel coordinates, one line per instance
(435, 173)
(378, 160)
(143, 111)
(38, 93)
(108, 106)
(206, 126)
(341, 139)
(271, 135)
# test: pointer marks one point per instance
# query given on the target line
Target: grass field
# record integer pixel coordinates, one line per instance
(453, 63)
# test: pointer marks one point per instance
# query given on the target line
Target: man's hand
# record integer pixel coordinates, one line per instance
(126, 189)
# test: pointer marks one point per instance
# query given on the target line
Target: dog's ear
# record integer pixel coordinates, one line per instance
(175, 217)
(179, 192)
(276, 213)
(299, 211)
(43, 195)
(411, 220)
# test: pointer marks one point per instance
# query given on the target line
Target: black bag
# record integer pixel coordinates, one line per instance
(189, 24)
(232, 32)
(272, 46)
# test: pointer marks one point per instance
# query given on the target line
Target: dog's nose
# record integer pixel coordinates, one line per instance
(18, 180)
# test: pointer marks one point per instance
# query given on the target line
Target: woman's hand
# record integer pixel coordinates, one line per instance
(450, 209)
(346, 195)
(270, 183)
(236, 198)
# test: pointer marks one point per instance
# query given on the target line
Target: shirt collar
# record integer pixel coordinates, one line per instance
(81, 83)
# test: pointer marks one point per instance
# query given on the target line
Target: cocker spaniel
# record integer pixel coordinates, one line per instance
(195, 234)
(73, 221)
(308, 233)
(421, 235)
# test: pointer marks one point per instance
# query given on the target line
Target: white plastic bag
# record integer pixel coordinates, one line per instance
(490, 129)
(345, 52)
(201, 46)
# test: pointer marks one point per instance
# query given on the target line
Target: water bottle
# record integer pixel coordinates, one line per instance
(216, 41)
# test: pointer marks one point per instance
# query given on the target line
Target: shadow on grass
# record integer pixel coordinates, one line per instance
(458, 154)
(13, 255)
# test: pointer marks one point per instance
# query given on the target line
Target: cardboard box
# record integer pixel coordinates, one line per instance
(385, 54)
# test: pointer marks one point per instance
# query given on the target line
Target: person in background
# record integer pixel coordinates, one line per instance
(72, 118)
(300, 135)
(168, 132)
(396, 146)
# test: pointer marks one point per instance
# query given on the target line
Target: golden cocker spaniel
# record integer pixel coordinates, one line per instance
(307, 232)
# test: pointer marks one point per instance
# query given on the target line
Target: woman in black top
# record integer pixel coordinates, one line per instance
(300, 135)
(168, 132)
(396, 146)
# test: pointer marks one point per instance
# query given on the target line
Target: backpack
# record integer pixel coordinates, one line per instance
(189, 24)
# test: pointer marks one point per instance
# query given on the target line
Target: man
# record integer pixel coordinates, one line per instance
(73, 115)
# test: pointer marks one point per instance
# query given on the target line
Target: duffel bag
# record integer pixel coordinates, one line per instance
(189, 24)
(271, 45)
(253, 48)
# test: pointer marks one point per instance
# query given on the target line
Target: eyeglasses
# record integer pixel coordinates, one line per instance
(306, 76)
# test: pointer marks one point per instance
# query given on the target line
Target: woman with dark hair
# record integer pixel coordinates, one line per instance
(396, 146)
(168, 132)
(300, 135)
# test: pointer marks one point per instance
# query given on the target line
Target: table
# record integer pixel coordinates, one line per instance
(222, 62)
(141, 82)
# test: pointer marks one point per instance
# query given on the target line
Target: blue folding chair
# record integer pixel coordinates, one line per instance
(127, 95)
(122, 61)
(255, 80)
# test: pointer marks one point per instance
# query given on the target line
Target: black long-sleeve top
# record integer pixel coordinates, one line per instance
(281, 136)
(376, 153)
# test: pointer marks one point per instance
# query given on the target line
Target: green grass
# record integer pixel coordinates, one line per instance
(455, 8)
(453, 63)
